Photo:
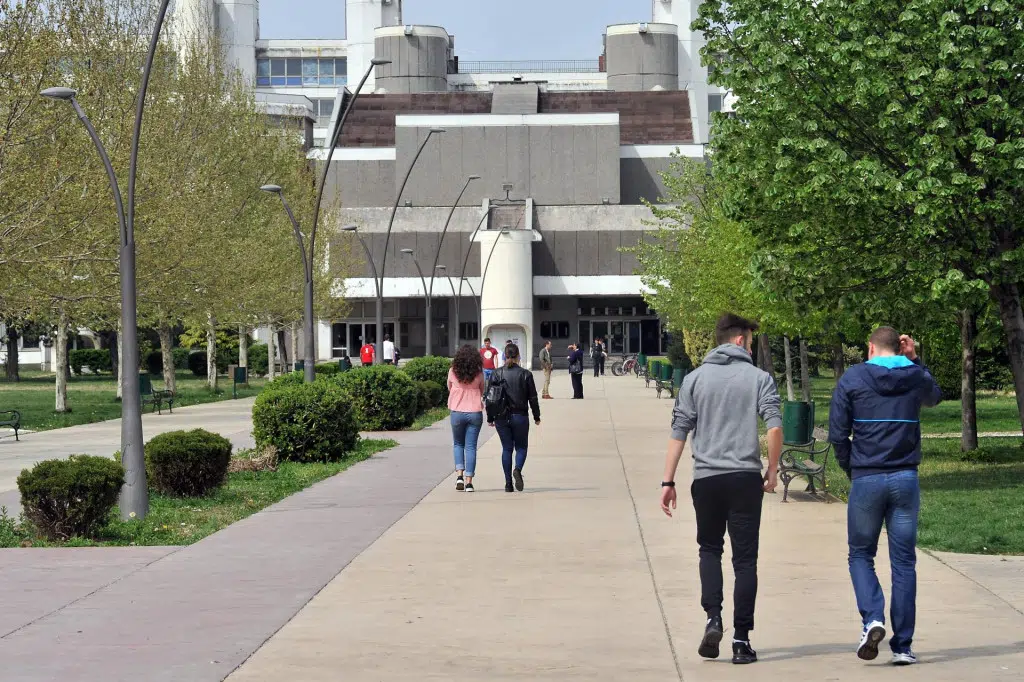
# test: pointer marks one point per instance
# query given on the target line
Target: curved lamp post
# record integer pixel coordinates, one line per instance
(443, 269)
(426, 292)
(134, 498)
(369, 259)
(308, 323)
(437, 255)
(465, 262)
(379, 355)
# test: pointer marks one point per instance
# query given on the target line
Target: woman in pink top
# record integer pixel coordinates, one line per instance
(465, 400)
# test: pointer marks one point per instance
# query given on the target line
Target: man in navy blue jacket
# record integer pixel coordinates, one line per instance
(880, 402)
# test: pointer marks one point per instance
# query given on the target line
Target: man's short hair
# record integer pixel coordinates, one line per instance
(387, 337)
(886, 338)
(730, 326)
(487, 340)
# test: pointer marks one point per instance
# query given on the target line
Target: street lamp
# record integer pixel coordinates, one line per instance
(440, 243)
(465, 262)
(134, 498)
(369, 259)
(379, 356)
(308, 323)
(426, 292)
(443, 269)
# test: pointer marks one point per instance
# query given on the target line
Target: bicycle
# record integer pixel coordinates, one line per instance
(627, 365)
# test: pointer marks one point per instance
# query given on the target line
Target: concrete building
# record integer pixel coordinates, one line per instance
(567, 153)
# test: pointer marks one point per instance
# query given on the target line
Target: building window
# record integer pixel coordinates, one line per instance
(554, 330)
(323, 109)
(469, 331)
(544, 303)
(715, 103)
(302, 72)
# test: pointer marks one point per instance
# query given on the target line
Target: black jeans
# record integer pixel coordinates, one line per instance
(733, 502)
(577, 386)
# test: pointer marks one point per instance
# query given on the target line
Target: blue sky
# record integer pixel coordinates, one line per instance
(483, 29)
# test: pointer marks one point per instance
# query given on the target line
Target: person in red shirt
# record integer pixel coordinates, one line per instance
(489, 354)
(366, 354)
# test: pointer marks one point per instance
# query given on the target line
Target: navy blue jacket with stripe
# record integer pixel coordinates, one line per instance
(881, 406)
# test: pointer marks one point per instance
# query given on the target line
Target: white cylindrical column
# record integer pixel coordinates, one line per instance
(238, 22)
(506, 299)
(362, 18)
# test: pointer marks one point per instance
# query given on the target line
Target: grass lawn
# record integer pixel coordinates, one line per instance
(971, 503)
(429, 418)
(182, 521)
(92, 397)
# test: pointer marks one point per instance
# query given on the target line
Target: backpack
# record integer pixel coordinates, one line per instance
(496, 401)
(597, 351)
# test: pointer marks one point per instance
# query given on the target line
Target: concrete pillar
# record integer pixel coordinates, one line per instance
(238, 22)
(692, 76)
(362, 18)
(506, 302)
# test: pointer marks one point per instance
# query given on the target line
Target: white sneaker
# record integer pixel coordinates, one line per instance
(905, 658)
(874, 632)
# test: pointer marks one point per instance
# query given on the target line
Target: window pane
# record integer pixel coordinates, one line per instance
(278, 80)
(276, 67)
(341, 66)
(309, 72)
(294, 80)
(714, 103)
(326, 67)
(262, 80)
(563, 330)
(326, 107)
(294, 67)
(545, 330)
(326, 80)
(262, 67)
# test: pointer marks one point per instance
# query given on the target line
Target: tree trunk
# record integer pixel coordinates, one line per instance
(838, 361)
(243, 346)
(166, 341)
(211, 353)
(969, 399)
(805, 371)
(295, 341)
(284, 349)
(60, 352)
(11, 367)
(1008, 298)
(271, 364)
(789, 368)
(769, 363)
(119, 366)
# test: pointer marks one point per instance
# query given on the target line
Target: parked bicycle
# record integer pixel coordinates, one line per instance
(627, 365)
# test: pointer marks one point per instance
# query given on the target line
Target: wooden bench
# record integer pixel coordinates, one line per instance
(155, 397)
(12, 419)
(800, 461)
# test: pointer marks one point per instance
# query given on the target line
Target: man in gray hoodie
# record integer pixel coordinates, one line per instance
(717, 408)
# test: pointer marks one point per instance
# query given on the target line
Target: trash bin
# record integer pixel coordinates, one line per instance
(241, 375)
(797, 422)
(300, 365)
(345, 364)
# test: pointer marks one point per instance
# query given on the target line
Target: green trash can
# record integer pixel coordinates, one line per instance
(654, 372)
(345, 364)
(797, 422)
(678, 375)
(666, 372)
(641, 363)
(300, 365)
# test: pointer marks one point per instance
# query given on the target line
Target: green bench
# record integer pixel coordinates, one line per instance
(155, 397)
(653, 372)
(670, 381)
(803, 445)
(641, 366)
(11, 419)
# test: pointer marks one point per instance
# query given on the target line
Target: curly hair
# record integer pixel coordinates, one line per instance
(468, 364)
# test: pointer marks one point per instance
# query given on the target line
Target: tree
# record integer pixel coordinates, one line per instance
(876, 146)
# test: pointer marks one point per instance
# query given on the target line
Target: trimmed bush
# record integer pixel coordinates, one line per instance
(430, 368)
(197, 363)
(326, 369)
(65, 498)
(306, 422)
(385, 398)
(155, 362)
(96, 360)
(258, 361)
(180, 356)
(431, 395)
(289, 379)
(187, 463)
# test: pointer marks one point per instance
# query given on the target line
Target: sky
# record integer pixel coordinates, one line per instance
(484, 30)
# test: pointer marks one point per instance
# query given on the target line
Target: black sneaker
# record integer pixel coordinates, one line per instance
(509, 488)
(742, 653)
(517, 475)
(713, 634)
(469, 488)
(460, 483)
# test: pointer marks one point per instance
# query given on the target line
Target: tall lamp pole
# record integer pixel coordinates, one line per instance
(308, 323)
(134, 498)
(369, 259)
(465, 262)
(426, 292)
(379, 355)
(440, 243)
(443, 269)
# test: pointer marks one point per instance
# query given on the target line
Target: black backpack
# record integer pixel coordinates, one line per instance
(597, 351)
(496, 401)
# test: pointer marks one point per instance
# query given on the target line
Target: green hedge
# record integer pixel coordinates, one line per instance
(385, 397)
(187, 463)
(430, 368)
(259, 362)
(96, 360)
(430, 395)
(306, 422)
(65, 498)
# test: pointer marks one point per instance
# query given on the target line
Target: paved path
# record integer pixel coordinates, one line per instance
(583, 578)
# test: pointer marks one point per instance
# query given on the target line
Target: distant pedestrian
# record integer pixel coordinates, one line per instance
(511, 396)
(465, 400)
(597, 356)
(718, 406)
(489, 355)
(576, 371)
(388, 352)
(367, 353)
(547, 366)
(879, 402)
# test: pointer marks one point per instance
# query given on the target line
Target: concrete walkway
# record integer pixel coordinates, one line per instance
(582, 577)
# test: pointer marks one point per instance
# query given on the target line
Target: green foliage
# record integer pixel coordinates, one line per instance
(12, 532)
(385, 397)
(289, 379)
(306, 422)
(258, 359)
(180, 356)
(430, 368)
(71, 497)
(187, 463)
(677, 353)
(326, 369)
(155, 362)
(197, 363)
(96, 360)
(430, 395)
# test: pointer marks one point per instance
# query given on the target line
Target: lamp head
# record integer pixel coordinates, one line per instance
(59, 93)
(273, 189)
(350, 228)
(474, 177)
(441, 267)
(380, 62)
(407, 252)
(437, 130)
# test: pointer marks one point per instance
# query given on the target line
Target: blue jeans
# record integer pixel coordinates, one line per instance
(514, 433)
(487, 374)
(465, 435)
(894, 498)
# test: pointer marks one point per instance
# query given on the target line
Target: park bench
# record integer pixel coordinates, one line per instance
(653, 373)
(155, 397)
(800, 461)
(11, 419)
(641, 366)
(670, 381)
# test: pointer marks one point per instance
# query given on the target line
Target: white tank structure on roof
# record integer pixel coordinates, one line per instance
(693, 77)
(642, 57)
(419, 59)
(362, 19)
(238, 22)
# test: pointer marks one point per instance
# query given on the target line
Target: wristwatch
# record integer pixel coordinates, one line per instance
(668, 484)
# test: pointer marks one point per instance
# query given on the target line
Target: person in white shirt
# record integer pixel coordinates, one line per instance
(389, 350)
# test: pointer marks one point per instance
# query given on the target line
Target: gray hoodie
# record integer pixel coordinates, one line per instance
(718, 404)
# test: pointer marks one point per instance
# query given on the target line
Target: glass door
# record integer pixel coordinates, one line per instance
(599, 331)
(339, 339)
(355, 338)
(632, 337)
(616, 342)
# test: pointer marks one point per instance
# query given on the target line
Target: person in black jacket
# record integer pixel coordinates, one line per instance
(576, 371)
(880, 402)
(514, 426)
